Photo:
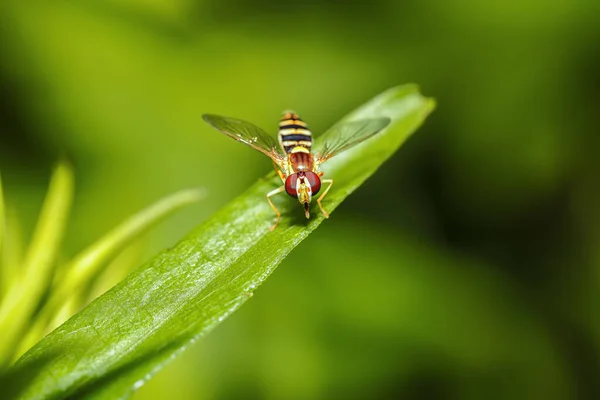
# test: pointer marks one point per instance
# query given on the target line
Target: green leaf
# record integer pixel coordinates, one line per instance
(124, 337)
(24, 295)
(67, 294)
(85, 266)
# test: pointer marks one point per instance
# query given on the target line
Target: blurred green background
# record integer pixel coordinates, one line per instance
(467, 267)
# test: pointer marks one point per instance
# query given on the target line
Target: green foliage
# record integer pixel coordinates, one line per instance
(115, 344)
(40, 293)
(23, 295)
(69, 287)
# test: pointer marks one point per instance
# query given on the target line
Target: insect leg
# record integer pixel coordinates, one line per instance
(280, 167)
(272, 193)
(281, 174)
(330, 181)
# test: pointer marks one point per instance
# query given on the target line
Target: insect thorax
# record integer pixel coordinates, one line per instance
(300, 160)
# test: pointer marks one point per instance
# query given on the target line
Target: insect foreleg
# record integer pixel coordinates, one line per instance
(281, 174)
(272, 193)
(330, 181)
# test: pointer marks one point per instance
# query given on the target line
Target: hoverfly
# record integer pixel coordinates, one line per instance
(296, 164)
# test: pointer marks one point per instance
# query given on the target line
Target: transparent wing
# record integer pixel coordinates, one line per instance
(247, 133)
(343, 136)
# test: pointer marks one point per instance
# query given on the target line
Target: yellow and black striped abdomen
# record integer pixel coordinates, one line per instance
(293, 132)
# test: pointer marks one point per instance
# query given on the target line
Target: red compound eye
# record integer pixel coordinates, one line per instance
(290, 185)
(314, 181)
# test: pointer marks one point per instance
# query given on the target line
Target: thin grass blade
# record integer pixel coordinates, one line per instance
(3, 278)
(13, 249)
(24, 295)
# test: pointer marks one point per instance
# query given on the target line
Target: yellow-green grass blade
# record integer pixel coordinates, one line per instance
(13, 247)
(25, 292)
(3, 278)
(116, 270)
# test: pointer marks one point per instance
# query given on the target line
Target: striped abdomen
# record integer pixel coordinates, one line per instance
(293, 132)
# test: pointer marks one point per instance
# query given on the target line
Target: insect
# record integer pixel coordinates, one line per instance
(292, 155)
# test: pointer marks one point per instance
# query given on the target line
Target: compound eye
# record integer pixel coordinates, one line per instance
(290, 185)
(314, 181)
